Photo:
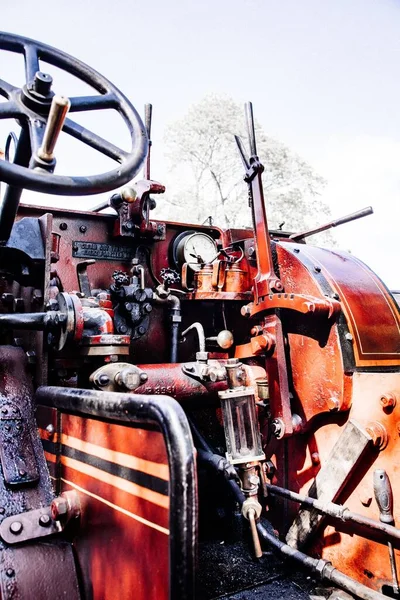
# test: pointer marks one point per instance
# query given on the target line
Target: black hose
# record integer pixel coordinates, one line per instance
(174, 342)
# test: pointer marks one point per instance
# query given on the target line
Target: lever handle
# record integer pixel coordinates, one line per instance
(58, 112)
(383, 496)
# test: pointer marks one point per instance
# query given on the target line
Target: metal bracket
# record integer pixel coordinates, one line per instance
(29, 526)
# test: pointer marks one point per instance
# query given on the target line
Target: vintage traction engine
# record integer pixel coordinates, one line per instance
(145, 365)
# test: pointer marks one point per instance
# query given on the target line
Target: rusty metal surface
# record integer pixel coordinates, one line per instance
(372, 315)
(19, 567)
(41, 571)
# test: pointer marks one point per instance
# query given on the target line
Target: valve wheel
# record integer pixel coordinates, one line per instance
(30, 106)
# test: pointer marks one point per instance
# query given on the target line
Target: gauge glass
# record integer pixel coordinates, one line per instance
(199, 249)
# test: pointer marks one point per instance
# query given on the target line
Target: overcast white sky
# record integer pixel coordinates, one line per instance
(323, 77)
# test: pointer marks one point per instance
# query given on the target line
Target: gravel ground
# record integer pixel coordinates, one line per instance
(228, 571)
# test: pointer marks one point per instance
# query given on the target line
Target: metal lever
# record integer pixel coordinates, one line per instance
(83, 279)
(352, 217)
(384, 499)
(58, 112)
(148, 110)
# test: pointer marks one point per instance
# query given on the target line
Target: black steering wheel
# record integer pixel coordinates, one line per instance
(30, 105)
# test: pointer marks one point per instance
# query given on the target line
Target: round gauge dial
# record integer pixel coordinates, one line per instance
(195, 249)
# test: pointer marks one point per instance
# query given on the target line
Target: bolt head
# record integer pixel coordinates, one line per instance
(44, 520)
(58, 507)
(103, 379)
(388, 400)
(16, 527)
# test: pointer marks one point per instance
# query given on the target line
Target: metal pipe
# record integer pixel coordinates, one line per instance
(200, 332)
(170, 417)
(324, 568)
(336, 511)
(31, 321)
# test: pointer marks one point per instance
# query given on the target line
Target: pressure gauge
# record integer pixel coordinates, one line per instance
(195, 249)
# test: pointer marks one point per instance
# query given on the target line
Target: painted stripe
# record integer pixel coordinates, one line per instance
(117, 482)
(118, 508)
(155, 484)
(50, 457)
(120, 458)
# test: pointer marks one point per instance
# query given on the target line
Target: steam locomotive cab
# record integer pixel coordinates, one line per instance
(154, 370)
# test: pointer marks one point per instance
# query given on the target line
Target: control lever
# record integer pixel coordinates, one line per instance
(384, 499)
(58, 111)
(359, 214)
(83, 279)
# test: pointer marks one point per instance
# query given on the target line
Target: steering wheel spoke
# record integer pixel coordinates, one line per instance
(31, 58)
(94, 141)
(9, 110)
(6, 89)
(99, 102)
(30, 104)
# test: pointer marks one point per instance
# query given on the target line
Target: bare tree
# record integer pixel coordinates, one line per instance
(206, 173)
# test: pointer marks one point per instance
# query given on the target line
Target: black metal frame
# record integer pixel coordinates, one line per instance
(165, 412)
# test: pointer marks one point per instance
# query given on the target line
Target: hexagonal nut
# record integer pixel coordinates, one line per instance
(251, 504)
(202, 356)
(59, 508)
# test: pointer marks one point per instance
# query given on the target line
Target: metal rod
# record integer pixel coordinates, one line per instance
(12, 195)
(168, 415)
(58, 112)
(242, 152)
(352, 217)
(251, 515)
(325, 569)
(148, 112)
(250, 128)
(335, 510)
(384, 499)
(29, 321)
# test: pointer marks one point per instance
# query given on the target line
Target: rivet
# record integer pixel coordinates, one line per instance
(2, 510)
(83, 228)
(63, 226)
(16, 527)
(21, 472)
(44, 520)
(10, 572)
(348, 337)
(317, 269)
